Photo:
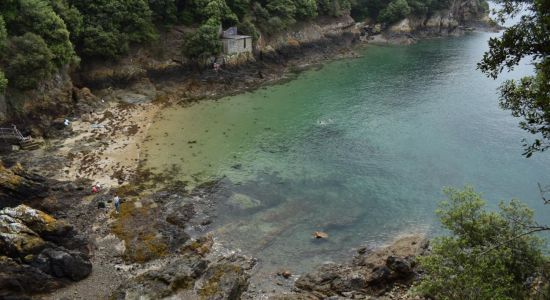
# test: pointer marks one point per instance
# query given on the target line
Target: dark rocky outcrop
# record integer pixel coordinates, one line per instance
(38, 253)
(371, 273)
(17, 186)
(190, 276)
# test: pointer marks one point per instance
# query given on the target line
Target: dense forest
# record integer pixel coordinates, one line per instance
(38, 37)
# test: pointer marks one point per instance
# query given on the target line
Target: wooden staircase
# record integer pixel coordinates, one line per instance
(13, 136)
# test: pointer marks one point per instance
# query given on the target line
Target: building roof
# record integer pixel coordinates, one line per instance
(236, 37)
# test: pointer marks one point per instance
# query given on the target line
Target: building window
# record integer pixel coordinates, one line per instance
(244, 43)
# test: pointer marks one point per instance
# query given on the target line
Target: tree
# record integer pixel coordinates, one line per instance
(164, 11)
(395, 11)
(203, 44)
(333, 8)
(3, 82)
(3, 42)
(71, 16)
(38, 17)
(28, 61)
(528, 97)
(306, 9)
(488, 255)
(110, 26)
(285, 10)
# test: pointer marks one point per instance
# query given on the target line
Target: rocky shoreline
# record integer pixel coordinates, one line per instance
(158, 246)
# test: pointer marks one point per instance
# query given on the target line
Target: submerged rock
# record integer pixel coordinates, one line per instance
(243, 201)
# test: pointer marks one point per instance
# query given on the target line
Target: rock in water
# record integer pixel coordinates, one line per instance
(320, 235)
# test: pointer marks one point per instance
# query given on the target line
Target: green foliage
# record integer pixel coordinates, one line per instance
(486, 256)
(215, 10)
(306, 9)
(333, 8)
(3, 35)
(3, 82)
(528, 98)
(110, 26)
(395, 11)
(284, 10)
(164, 11)
(71, 17)
(248, 28)
(203, 43)
(240, 7)
(37, 16)
(28, 61)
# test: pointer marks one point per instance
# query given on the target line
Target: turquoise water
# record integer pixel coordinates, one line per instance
(359, 149)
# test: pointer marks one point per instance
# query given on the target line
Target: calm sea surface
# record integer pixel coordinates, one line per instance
(359, 149)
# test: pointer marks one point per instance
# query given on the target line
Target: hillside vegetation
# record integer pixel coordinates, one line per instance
(38, 37)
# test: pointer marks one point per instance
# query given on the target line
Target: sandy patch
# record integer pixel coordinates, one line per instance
(107, 145)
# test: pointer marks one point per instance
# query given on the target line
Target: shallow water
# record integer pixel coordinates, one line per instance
(359, 149)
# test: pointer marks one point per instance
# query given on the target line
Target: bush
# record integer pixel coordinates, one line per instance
(333, 8)
(164, 11)
(38, 17)
(285, 10)
(71, 17)
(3, 82)
(28, 60)
(248, 28)
(486, 256)
(204, 43)
(395, 11)
(111, 25)
(306, 9)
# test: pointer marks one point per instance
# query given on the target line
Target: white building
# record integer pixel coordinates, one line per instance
(233, 43)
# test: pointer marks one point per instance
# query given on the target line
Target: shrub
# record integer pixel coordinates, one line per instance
(486, 256)
(111, 25)
(395, 11)
(28, 60)
(38, 17)
(3, 82)
(204, 43)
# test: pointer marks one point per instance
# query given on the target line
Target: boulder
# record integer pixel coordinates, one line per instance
(18, 279)
(33, 257)
(16, 239)
(370, 273)
(401, 266)
(18, 186)
(62, 263)
(189, 276)
(224, 281)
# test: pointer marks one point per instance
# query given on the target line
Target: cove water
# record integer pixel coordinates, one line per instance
(359, 149)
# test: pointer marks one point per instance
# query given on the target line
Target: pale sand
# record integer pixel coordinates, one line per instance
(109, 154)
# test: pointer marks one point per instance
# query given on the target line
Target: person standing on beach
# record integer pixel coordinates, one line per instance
(117, 204)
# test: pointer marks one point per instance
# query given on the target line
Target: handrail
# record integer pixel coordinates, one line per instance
(13, 133)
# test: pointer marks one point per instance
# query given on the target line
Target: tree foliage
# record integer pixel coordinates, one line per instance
(38, 17)
(106, 29)
(29, 61)
(110, 26)
(487, 254)
(528, 97)
(203, 43)
(395, 11)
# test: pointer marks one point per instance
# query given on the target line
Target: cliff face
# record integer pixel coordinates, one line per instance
(308, 32)
(461, 13)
